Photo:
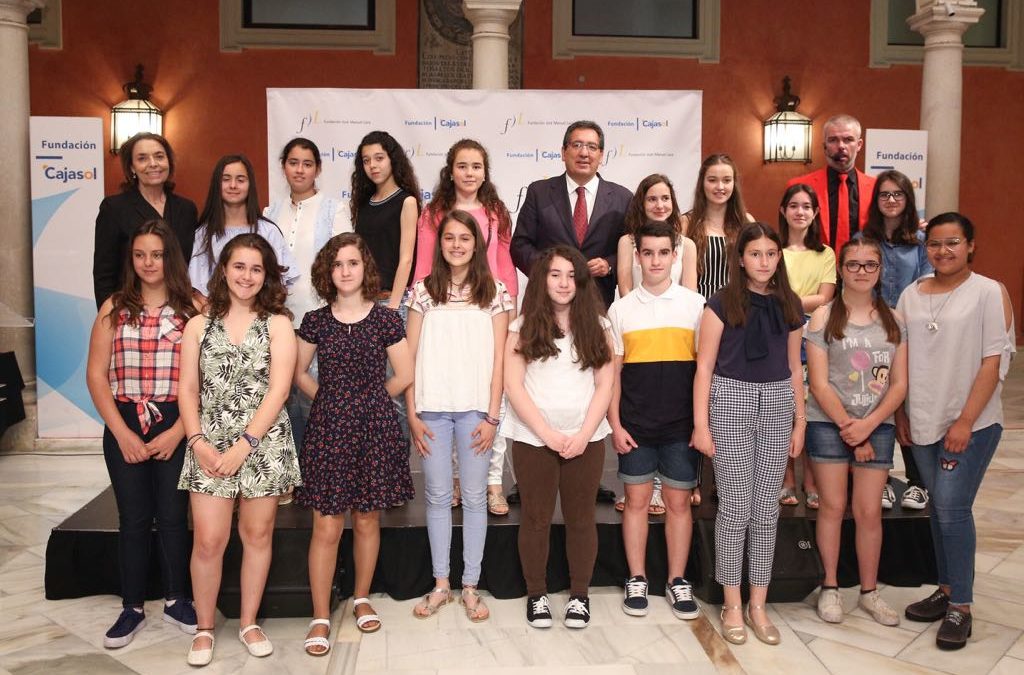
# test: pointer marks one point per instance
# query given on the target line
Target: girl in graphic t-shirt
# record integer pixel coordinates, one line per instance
(857, 363)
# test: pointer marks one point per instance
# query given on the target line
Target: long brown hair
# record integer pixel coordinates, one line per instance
(736, 295)
(812, 237)
(213, 217)
(839, 315)
(735, 211)
(401, 170)
(539, 329)
(906, 231)
(270, 299)
(179, 287)
(478, 278)
(637, 216)
(444, 192)
(322, 265)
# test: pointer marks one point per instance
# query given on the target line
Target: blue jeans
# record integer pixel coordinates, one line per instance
(298, 406)
(437, 479)
(144, 492)
(953, 481)
(399, 401)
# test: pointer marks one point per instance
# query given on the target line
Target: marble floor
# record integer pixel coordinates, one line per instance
(37, 491)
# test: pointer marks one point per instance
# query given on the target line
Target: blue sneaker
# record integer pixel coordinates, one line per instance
(182, 614)
(124, 629)
(635, 601)
(679, 594)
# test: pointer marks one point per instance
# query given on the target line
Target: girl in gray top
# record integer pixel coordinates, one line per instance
(857, 367)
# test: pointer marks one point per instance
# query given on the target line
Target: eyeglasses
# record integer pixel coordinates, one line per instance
(579, 145)
(937, 244)
(853, 266)
(896, 196)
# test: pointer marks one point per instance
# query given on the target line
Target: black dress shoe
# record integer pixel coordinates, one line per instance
(605, 495)
(513, 495)
(930, 609)
(954, 631)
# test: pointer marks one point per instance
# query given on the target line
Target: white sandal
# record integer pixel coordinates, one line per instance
(201, 657)
(322, 642)
(259, 648)
(361, 621)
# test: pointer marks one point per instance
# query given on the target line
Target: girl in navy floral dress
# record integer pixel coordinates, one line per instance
(353, 441)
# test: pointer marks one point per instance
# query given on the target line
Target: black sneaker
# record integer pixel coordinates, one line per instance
(679, 594)
(513, 495)
(538, 612)
(182, 614)
(577, 612)
(954, 630)
(635, 602)
(930, 609)
(124, 629)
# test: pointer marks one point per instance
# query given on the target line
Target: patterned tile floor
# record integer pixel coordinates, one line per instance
(39, 636)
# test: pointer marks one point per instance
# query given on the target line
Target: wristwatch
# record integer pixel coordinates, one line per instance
(252, 440)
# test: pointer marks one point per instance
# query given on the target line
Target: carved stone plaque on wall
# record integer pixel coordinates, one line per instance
(446, 50)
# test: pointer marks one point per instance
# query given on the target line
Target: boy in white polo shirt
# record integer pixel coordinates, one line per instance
(651, 413)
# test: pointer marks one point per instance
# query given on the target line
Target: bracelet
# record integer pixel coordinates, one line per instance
(193, 439)
(493, 421)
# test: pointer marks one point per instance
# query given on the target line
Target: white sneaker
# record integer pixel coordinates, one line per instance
(879, 609)
(830, 605)
(915, 498)
(888, 497)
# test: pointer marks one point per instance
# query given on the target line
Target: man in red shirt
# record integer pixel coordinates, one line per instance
(844, 193)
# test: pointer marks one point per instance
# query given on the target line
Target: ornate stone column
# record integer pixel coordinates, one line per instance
(490, 19)
(16, 306)
(943, 24)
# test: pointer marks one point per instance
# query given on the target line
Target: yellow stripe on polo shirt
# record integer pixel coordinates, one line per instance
(653, 345)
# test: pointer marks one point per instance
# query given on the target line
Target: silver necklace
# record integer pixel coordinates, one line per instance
(933, 325)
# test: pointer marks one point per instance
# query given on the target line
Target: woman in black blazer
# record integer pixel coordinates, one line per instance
(146, 194)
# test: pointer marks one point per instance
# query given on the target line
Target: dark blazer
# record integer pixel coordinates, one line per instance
(545, 220)
(119, 215)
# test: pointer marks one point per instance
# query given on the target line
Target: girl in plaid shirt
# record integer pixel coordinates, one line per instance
(132, 374)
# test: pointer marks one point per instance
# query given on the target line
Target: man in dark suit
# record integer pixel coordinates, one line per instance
(553, 213)
(844, 193)
(579, 209)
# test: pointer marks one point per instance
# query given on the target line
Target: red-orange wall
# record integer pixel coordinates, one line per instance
(215, 102)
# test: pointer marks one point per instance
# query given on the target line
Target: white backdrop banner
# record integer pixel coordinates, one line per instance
(67, 188)
(905, 150)
(645, 132)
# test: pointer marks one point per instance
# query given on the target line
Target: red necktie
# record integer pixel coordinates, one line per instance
(843, 217)
(579, 215)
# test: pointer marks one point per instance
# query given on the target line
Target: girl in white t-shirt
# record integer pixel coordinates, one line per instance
(457, 324)
(558, 379)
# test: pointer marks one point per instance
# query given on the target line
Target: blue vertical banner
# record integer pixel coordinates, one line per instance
(67, 187)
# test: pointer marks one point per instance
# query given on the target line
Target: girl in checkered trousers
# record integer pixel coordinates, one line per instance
(749, 417)
(132, 375)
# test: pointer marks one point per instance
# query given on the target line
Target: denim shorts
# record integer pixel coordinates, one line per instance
(824, 445)
(677, 464)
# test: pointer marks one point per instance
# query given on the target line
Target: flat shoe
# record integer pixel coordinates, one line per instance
(787, 497)
(323, 642)
(361, 621)
(766, 633)
(496, 504)
(657, 506)
(737, 635)
(620, 504)
(812, 501)
(478, 612)
(201, 657)
(425, 609)
(260, 648)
